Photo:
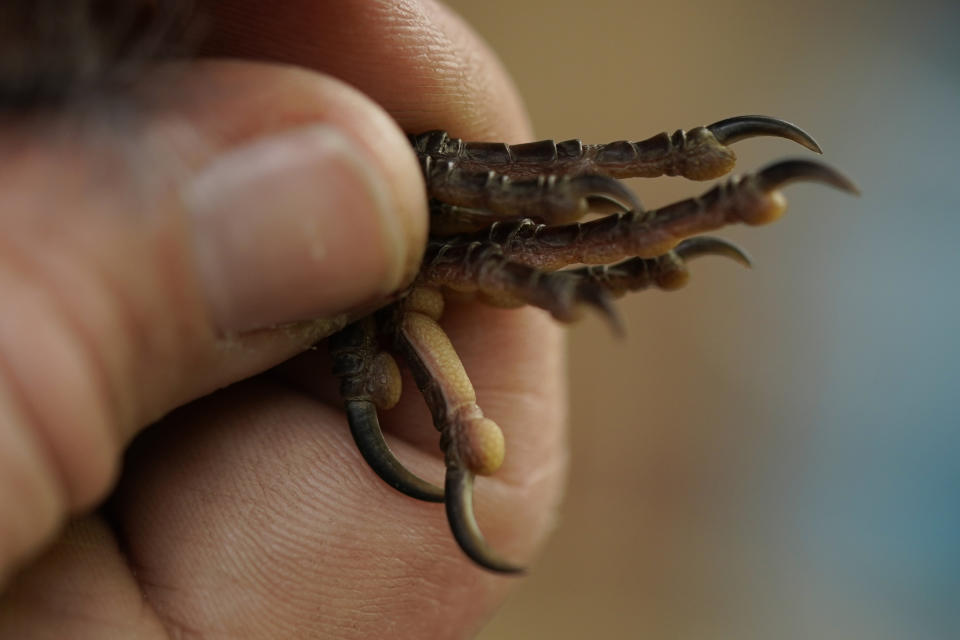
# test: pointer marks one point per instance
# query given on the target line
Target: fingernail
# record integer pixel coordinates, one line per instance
(296, 226)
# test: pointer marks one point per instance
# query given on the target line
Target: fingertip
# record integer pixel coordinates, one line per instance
(306, 218)
(296, 225)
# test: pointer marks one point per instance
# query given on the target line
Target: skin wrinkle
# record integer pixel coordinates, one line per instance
(123, 408)
(76, 485)
(285, 592)
(135, 335)
(137, 326)
(45, 489)
(135, 305)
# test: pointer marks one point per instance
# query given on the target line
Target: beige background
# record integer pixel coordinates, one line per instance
(769, 453)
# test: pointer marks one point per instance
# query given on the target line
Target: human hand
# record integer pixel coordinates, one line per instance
(144, 249)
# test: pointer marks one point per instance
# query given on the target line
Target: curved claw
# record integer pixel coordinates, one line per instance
(365, 428)
(599, 299)
(711, 246)
(604, 188)
(463, 524)
(742, 127)
(776, 175)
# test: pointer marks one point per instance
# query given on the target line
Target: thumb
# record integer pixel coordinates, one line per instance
(172, 241)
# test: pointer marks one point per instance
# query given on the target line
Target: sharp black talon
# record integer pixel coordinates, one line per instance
(459, 489)
(365, 428)
(776, 175)
(741, 127)
(599, 299)
(597, 205)
(604, 303)
(600, 187)
(711, 246)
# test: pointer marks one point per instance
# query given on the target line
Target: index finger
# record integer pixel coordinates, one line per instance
(418, 60)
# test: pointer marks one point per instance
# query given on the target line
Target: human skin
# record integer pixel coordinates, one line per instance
(175, 239)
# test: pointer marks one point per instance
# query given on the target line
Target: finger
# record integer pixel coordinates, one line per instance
(81, 587)
(257, 495)
(138, 255)
(417, 59)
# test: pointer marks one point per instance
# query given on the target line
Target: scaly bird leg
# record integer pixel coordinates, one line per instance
(370, 379)
(474, 200)
(752, 199)
(667, 272)
(513, 262)
(472, 443)
(702, 153)
(481, 270)
(473, 184)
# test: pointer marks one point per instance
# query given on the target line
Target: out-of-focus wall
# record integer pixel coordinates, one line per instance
(771, 453)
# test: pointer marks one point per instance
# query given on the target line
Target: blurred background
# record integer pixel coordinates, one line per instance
(771, 453)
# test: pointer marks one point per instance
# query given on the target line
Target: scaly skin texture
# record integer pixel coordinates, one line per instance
(503, 230)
